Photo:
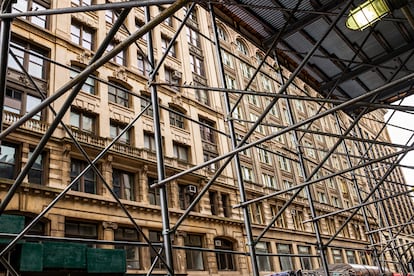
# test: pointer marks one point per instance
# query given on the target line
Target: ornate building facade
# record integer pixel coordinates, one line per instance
(53, 49)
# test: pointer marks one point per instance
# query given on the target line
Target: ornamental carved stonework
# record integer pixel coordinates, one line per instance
(120, 74)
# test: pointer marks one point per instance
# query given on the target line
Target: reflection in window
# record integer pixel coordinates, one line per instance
(132, 252)
(118, 94)
(115, 129)
(86, 183)
(36, 174)
(33, 5)
(122, 183)
(82, 121)
(31, 59)
(89, 84)
(7, 160)
(21, 102)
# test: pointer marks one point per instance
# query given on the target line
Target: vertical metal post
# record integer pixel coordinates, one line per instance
(247, 223)
(160, 157)
(381, 208)
(321, 247)
(5, 35)
(358, 191)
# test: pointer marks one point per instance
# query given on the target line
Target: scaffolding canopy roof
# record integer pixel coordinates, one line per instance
(348, 63)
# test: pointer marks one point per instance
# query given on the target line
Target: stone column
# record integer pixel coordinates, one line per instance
(108, 233)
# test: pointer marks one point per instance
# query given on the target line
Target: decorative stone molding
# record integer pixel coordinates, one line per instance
(120, 74)
(110, 225)
(84, 57)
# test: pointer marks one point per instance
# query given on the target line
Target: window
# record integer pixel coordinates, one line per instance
(284, 164)
(246, 70)
(263, 262)
(230, 82)
(197, 65)
(337, 256)
(357, 231)
(227, 59)
(330, 222)
(21, 102)
(214, 202)
(176, 119)
(120, 58)
(241, 47)
(264, 155)
(193, 15)
(81, 35)
(297, 216)
(247, 173)
(194, 258)
(144, 68)
(180, 152)
(110, 15)
(225, 201)
(118, 94)
(254, 118)
(335, 202)
(132, 251)
(253, 99)
(207, 131)
(193, 37)
(305, 262)
(86, 183)
(33, 5)
(36, 173)
(74, 229)
(156, 237)
(280, 222)
(165, 41)
(350, 256)
(285, 261)
(149, 141)
(310, 150)
(172, 77)
(201, 95)
(225, 261)
(82, 2)
(267, 85)
(116, 128)
(122, 184)
(222, 33)
(31, 59)
(82, 121)
(168, 21)
(322, 197)
(146, 100)
(269, 181)
(8, 156)
(256, 212)
(153, 194)
(89, 84)
(186, 195)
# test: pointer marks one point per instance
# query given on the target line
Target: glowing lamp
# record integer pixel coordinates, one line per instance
(371, 11)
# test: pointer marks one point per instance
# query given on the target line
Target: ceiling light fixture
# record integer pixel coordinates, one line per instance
(371, 11)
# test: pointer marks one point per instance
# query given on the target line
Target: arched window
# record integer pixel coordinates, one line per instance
(222, 33)
(225, 261)
(241, 46)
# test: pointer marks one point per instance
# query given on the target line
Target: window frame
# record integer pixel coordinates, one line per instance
(83, 32)
(81, 185)
(122, 189)
(119, 94)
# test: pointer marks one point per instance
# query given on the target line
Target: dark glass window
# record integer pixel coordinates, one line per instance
(180, 152)
(194, 258)
(36, 174)
(8, 155)
(176, 119)
(153, 194)
(225, 261)
(21, 102)
(87, 183)
(155, 236)
(143, 65)
(122, 183)
(118, 94)
(132, 252)
(74, 229)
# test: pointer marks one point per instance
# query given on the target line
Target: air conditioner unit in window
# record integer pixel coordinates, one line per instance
(217, 242)
(177, 75)
(192, 189)
(293, 211)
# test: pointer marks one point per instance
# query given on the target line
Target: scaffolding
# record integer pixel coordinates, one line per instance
(329, 105)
